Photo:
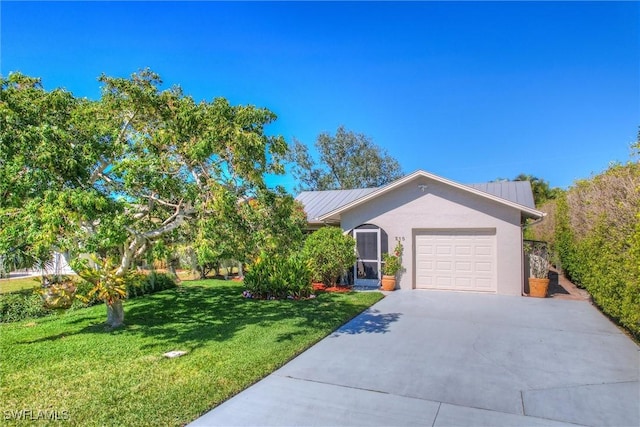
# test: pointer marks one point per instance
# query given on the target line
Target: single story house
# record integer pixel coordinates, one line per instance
(455, 237)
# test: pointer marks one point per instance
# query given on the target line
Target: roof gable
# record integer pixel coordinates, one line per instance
(323, 206)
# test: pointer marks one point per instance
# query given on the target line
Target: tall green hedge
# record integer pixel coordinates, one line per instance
(597, 240)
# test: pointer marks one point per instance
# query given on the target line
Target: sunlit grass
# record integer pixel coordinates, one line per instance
(18, 284)
(71, 363)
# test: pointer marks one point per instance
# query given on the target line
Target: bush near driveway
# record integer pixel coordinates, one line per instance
(71, 363)
(595, 233)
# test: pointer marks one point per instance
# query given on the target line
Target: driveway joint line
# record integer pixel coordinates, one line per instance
(440, 403)
(581, 385)
(342, 386)
(436, 417)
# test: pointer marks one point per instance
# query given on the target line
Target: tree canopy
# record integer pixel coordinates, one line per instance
(114, 176)
(347, 160)
(540, 188)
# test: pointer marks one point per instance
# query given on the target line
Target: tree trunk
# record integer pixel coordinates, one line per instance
(115, 314)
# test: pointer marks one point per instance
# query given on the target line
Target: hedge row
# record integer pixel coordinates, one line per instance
(595, 234)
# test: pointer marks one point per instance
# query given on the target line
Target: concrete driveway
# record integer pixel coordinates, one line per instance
(434, 358)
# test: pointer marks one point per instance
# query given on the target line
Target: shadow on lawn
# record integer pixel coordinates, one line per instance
(195, 314)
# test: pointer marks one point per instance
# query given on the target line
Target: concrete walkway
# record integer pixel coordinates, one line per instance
(434, 358)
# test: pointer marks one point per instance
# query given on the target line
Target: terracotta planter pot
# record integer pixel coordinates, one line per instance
(538, 287)
(388, 283)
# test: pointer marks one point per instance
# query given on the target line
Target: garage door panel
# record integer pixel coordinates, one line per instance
(463, 283)
(425, 250)
(443, 266)
(456, 260)
(443, 281)
(485, 284)
(484, 250)
(466, 251)
(443, 249)
(464, 267)
(484, 267)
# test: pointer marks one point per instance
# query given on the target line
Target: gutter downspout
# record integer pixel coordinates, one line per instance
(538, 221)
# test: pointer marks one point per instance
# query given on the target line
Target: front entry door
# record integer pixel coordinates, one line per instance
(366, 272)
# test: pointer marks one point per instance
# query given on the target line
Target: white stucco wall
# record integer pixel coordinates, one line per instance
(408, 208)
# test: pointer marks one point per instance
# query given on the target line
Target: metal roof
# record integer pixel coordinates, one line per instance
(319, 203)
(515, 191)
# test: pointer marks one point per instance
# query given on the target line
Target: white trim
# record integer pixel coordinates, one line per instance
(378, 260)
(334, 215)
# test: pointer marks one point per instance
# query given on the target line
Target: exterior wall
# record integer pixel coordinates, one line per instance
(408, 208)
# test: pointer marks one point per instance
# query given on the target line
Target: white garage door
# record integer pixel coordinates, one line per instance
(462, 260)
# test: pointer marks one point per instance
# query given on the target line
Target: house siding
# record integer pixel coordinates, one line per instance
(408, 209)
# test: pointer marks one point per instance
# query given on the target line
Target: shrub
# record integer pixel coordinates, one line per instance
(21, 305)
(596, 240)
(277, 276)
(393, 261)
(143, 284)
(83, 299)
(330, 253)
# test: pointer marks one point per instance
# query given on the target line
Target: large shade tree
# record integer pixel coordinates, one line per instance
(271, 221)
(111, 177)
(347, 160)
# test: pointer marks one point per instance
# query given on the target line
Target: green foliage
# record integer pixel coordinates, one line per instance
(278, 276)
(597, 240)
(540, 188)
(565, 242)
(29, 304)
(393, 261)
(330, 254)
(347, 160)
(108, 285)
(21, 305)
(271, 220)
(143, 284)
(83, 296)
(58, 295)
(116, 176)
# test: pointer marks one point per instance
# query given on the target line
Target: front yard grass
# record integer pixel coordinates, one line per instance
(71, 363)
(18, 284)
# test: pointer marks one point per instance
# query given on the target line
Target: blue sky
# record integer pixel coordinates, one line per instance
(471, 91)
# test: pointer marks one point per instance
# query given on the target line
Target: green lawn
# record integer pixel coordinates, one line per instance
(71, 363)
(17, 284)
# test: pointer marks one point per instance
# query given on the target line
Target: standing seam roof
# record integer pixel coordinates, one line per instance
(317, 203)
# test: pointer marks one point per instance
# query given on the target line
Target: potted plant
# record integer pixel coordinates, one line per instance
(392, 265)
(538, 269)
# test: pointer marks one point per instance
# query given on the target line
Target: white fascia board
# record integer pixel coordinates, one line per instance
(335, 214)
